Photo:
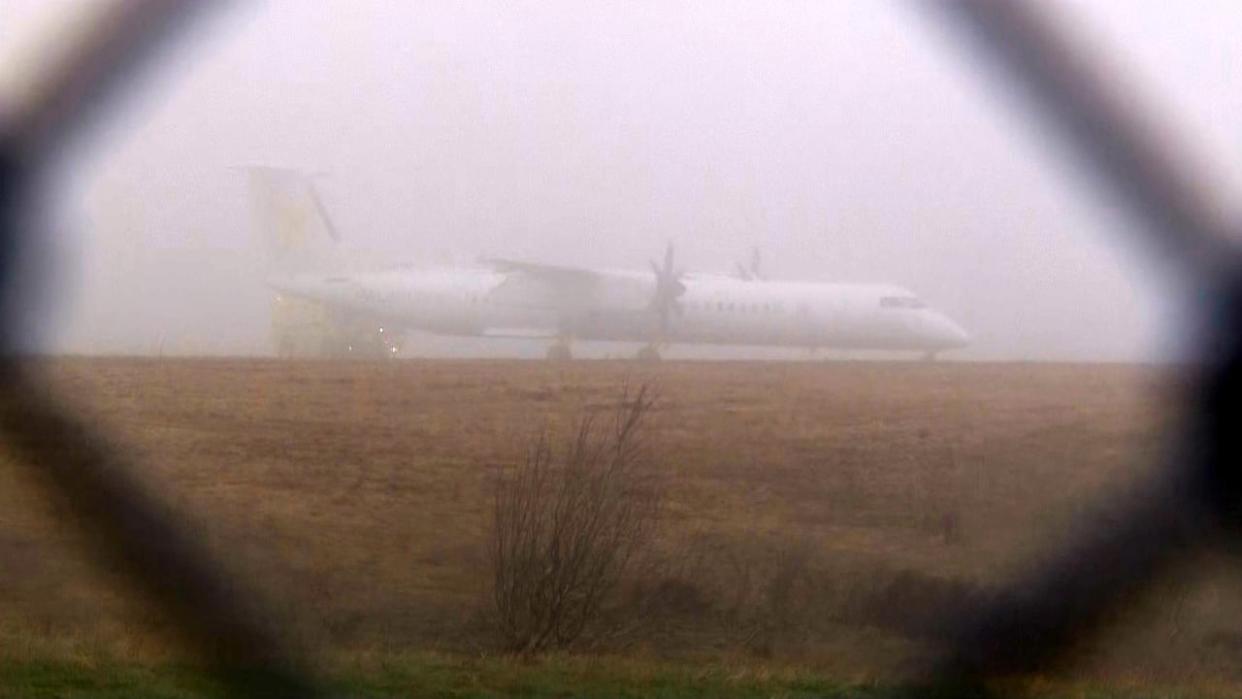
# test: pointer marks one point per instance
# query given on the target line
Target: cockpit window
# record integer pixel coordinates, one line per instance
(901, 302)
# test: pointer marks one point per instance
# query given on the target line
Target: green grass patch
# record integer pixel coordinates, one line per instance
(435, 675)
(459, 677)
(95, 679)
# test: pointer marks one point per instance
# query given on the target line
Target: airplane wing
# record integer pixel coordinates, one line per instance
(570, 279)
(569, 290)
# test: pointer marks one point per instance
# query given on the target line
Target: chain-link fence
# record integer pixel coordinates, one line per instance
(1030, 626)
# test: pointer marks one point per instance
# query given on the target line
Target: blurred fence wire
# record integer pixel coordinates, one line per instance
(128, 526)
(1036, 623)
(1040, 620)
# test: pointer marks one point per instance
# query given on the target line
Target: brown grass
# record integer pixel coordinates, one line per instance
(814, 511)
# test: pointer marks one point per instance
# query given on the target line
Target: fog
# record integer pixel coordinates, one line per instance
(852, 141)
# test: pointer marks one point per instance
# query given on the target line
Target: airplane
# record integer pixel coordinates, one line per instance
(344, 309)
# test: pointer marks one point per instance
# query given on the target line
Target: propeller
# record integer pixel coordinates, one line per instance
(669, 288)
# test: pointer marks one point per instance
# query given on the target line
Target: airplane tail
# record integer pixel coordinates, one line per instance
(297, 233)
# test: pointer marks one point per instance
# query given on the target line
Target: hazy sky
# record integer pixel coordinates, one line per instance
(854, 141)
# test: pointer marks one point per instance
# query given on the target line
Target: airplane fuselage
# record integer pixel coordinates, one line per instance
(712, 309)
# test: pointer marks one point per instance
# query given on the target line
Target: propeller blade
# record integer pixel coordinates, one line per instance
(668, 286)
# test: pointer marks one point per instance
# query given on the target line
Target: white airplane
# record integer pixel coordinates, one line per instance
(369, 307)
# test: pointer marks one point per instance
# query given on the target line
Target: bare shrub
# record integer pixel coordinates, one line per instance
(565, 526)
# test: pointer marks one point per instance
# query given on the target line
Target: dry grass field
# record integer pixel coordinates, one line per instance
(816, 514)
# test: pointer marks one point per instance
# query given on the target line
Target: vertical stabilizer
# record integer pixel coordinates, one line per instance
(297, 233)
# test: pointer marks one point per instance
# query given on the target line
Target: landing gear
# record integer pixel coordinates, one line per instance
(648, 354)
(560, 352)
